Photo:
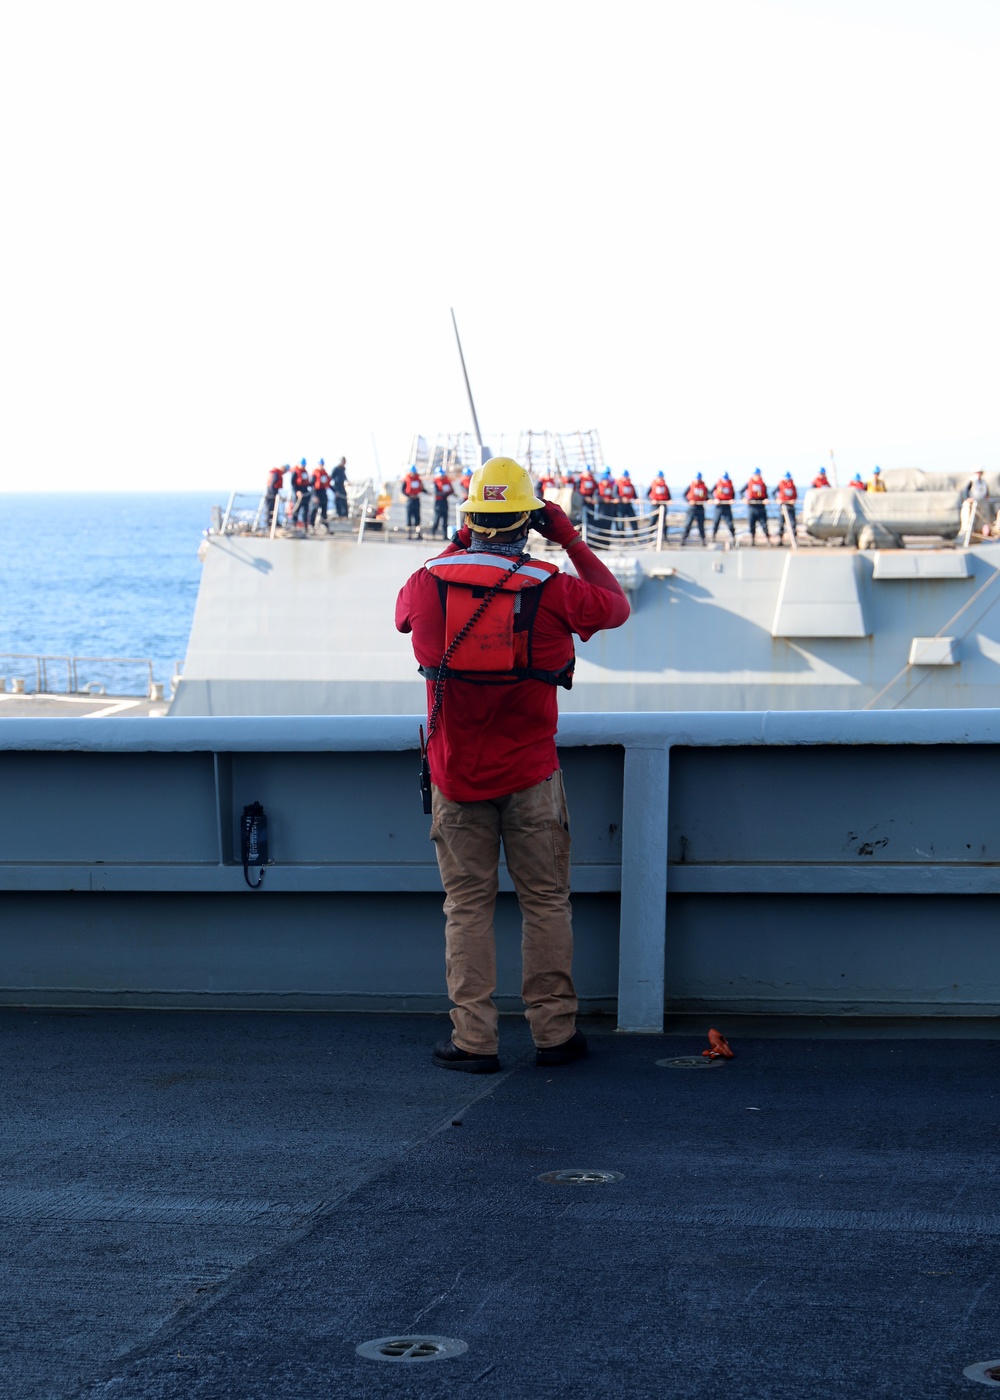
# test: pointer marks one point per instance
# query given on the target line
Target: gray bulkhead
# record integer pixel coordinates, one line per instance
(306, 627)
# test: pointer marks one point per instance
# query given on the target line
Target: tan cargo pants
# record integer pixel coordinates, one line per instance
(534, 828)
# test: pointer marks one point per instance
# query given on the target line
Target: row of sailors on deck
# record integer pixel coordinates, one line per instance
(309, 495)
(609, 501)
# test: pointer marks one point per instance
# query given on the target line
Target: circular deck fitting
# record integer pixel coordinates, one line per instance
(988, 1372)
(577, 1176)
(407, 1348)
(690, 1062)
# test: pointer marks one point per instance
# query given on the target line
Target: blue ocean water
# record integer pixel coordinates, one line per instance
(100, 575)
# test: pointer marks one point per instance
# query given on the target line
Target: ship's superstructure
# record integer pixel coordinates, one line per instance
(882, 600)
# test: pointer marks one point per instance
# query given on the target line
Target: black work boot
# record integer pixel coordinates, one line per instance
(573, 1049)
(447, 1055)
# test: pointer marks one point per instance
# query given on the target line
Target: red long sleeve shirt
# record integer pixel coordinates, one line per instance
(492, 740)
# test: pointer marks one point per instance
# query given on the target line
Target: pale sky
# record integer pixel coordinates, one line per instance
(722, 232)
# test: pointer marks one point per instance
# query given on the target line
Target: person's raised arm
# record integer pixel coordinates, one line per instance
(554, 524)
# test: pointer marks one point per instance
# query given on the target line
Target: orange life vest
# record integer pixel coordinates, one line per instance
(697, 492)
(724, 491)
(756, 490)
(274, 480)
(659, 491)
(821, 481)
(606, 489)
(320, 479)
(497, 648)
(626, 491)
(443, 488)
(412, 486)
(587, 484)
(787, 491)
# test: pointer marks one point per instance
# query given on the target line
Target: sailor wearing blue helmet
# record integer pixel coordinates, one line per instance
(723, 493)
(627, 495)
(301, 496)
(786, 495)
(607, 501)
(320, 498)
(443, 489)
(696, 495)
(755, 493)
(659, 494)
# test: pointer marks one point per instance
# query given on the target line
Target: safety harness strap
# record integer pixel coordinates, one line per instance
(516, 673)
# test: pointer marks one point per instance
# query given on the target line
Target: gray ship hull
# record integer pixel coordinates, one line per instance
(286, 626)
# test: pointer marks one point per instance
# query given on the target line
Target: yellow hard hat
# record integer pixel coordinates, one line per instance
(501, 486)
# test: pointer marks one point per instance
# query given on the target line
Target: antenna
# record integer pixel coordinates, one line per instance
(468, 389)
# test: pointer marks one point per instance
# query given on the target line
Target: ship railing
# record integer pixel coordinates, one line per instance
(361, 498)
(642, 531)
(64, 675)
(242, 515)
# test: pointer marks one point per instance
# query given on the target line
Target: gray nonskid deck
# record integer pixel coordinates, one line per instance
(48, 705)
(227, 1205)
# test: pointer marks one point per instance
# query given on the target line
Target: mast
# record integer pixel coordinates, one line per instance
(468, 388)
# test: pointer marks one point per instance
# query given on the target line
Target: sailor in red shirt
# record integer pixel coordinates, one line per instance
(755, 495)
(493, 631)
(822, 479)
(724, 493)
(463, 484)
(697, 495)
(786, 496)
(857, 483)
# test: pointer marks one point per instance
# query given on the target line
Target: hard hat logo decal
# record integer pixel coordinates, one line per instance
(494, 493)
